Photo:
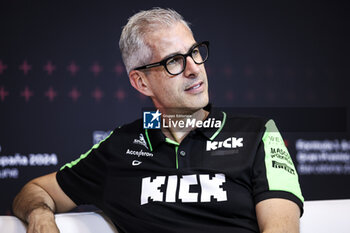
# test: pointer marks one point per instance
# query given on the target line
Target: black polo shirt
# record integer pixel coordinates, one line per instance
(210, 182)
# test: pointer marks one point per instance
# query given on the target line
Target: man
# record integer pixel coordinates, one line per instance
(236, 176)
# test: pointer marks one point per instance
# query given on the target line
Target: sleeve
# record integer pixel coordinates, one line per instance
(274, 174)
(83, 179)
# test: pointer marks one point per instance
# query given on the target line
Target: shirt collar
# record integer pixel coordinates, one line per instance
(154, 137)
(215, 115)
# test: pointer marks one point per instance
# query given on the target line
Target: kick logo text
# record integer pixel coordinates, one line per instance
(230, 143)
(177, 188)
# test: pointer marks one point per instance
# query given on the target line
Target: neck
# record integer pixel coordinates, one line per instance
(177, 132)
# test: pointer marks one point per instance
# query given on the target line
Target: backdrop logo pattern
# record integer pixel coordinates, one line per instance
(98, 93)
(51, 93)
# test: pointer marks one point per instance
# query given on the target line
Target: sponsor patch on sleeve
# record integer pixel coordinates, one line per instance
(280, 170)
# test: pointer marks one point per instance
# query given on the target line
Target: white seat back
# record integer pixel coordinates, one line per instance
(86, 222)
(331, 216)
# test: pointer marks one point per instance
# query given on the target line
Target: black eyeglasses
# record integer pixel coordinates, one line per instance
(176, 64)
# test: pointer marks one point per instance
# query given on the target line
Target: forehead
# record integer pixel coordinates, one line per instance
(175, 39)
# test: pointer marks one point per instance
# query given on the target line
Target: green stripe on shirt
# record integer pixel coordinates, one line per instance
(280, 170)
(83, 156)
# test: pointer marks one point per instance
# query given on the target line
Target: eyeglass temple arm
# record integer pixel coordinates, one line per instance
(148, 66)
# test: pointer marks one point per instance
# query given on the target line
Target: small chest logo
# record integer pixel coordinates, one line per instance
(141, 141)
(136, 162)
(229, 143)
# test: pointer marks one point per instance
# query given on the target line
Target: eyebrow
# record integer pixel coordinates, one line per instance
(178, 52)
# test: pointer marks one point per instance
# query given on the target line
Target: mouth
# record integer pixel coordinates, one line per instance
(195, 86)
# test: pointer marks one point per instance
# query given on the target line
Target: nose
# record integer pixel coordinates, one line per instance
(192, 69)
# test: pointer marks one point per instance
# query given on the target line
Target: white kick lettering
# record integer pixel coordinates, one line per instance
(228, 143)
(184, 192)
(171, 190)
(150, 190)
(210, 187)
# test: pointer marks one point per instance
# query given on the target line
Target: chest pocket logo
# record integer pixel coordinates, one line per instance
(229, 143)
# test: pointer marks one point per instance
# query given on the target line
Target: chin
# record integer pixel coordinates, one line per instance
(199, 104)
(204, 100)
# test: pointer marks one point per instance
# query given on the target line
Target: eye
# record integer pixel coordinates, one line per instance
(175, 61)
(195, 51)
(171, 61)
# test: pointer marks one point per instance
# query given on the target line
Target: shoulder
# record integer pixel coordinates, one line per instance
(123, 133)
(134, 126)
(245, 122)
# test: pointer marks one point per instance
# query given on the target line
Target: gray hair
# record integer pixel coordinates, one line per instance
(133, 45)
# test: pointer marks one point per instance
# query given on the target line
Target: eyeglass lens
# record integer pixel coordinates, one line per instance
(176, 64)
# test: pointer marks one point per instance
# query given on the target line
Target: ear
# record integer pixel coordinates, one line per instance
(140, 82)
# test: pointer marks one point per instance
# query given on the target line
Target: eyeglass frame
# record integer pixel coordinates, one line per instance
(164, 61)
